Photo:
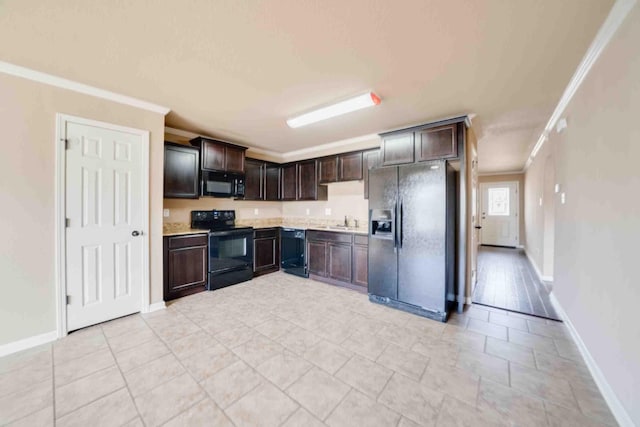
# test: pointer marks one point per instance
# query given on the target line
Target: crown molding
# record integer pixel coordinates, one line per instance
(191, 135)
(180, 132)
(518, 172)
(51, 80)
(330, 145)
(616, 17)
(281, 156)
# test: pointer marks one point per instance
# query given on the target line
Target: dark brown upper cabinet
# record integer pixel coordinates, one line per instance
(397, 149)
(262, 180)
(308, 180)
(350, 166)
(371, 160)
(328, 169)
(436, 143)
(254, 179)
(299, 181)
(218, 156)
(181, 171)
(340, 167)
(272, 182)
(289, 181)
(234, 159)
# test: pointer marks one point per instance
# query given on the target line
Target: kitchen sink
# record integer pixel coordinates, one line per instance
(340, 227)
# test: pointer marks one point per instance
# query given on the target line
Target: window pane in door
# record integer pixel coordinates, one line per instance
(499, 201)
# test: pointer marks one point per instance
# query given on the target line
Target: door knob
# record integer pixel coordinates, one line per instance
(136, 233)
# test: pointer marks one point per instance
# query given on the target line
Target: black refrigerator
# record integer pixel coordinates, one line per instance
(412, 239)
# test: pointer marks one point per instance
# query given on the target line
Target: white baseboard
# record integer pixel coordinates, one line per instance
(535, 266)
(610, 397)
(34, 341)
(156, 306)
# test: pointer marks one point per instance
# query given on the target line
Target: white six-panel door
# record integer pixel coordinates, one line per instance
(499, 214)
(104, 211)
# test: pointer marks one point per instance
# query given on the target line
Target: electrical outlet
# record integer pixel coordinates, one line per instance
(563, 198)
(166, 213)
(540, 201)
(327, 211)
(256, 211)
(308, 211)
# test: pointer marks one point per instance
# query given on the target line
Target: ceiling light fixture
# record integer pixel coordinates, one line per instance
(368, 99)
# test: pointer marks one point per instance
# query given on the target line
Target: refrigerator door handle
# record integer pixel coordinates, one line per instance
(400, 236)
(395, 226)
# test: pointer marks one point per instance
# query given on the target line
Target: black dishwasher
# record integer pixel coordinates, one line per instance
(292, 252)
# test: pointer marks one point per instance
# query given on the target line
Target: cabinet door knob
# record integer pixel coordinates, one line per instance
(136, 233)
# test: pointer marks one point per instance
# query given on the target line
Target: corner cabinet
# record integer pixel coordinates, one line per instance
(299, 181)
(181, 171)
(262, 180)
(338, 258)
(185, 265)
(219, 156)
(266, 251)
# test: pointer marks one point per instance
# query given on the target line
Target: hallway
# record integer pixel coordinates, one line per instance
(507, 280)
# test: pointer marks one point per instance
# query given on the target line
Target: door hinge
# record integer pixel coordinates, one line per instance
(67, 222)
(68, 298)
(66, 143)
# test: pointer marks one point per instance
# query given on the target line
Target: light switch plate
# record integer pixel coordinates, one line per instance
(327, 211)
(308, 211)
(166, 213)
(256, 211)
(557, 188)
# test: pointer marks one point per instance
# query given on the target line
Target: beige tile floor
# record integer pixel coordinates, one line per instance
(281, 350)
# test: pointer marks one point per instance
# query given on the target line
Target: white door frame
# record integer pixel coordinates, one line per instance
(483, 186)
(60, 216)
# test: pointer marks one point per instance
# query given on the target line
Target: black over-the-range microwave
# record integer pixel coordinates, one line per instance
(221, 184)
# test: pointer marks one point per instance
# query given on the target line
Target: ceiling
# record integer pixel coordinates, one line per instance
(238, 69)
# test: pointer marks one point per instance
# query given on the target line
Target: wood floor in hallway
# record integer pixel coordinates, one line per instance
(507, 280)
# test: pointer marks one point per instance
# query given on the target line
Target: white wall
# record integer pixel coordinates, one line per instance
(539, 211)
(597, 230)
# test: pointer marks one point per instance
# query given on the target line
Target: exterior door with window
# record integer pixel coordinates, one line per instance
(499, 214)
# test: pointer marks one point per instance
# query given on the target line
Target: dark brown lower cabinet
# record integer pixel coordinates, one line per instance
(360, 259)
(266, 251)
(339, 265)
(332, 257)
(185, 265)
(317, 258)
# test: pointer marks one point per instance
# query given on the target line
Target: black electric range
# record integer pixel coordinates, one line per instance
(230, 258)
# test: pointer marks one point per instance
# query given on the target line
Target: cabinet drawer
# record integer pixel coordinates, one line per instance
(360, 240)
(177, 242)
(265, 233)
(328, 236)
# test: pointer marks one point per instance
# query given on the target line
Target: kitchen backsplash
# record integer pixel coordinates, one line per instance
(344, 199)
